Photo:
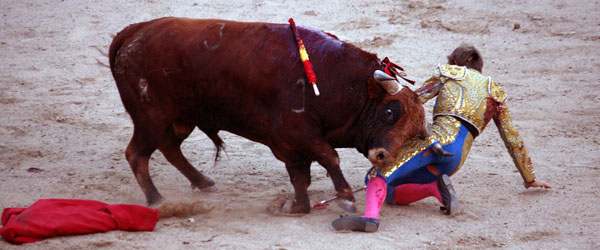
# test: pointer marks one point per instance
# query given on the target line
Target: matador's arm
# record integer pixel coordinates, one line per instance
(430, 89)
(513, 142)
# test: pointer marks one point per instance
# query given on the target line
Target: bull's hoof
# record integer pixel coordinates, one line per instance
(293, 207)
(209, 189)
(347, 205)
(155, 200)
(205, 184)
(284, 206)
(346, 201)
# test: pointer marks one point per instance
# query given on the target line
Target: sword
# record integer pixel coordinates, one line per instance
(325, 203)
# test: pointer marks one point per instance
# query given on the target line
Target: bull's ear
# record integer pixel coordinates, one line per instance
(389, 83)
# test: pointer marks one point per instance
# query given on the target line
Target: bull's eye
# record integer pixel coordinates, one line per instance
(391, 112)
(389, 115)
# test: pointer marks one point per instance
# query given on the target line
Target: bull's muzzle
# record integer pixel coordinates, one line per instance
(379, 156)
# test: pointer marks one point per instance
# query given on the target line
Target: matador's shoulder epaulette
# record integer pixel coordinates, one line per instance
(452, 71)
(496, 91)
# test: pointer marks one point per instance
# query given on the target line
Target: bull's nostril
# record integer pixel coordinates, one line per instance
(380, 156)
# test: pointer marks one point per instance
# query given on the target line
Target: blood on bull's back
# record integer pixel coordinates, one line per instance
(176, 74)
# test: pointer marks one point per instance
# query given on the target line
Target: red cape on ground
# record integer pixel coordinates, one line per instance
(59, 217)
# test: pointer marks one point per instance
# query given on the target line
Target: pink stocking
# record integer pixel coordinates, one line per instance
(376, 192)
(408, 193)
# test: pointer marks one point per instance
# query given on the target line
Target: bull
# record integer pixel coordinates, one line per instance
(176, 74)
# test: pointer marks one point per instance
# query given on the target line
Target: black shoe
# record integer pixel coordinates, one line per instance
(449, 199)
(356, 223)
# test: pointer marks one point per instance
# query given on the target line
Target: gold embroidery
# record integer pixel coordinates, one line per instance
(465, 151)
(464, 96)
(514, 144)
(453, 71)
(463, 93)
(444, 130)
(497, 92)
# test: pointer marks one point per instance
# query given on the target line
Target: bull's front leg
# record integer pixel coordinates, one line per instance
(329, 159)
(299, 173)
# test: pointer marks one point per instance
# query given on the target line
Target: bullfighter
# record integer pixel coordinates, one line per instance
(466, 101)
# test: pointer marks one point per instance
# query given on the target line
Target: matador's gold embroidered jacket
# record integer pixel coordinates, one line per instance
(476, 99)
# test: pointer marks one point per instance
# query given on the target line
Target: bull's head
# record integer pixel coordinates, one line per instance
(397, 116)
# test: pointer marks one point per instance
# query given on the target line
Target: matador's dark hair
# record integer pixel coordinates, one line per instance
(466, 55)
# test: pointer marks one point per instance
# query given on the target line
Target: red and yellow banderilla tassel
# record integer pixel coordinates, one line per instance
(308, 68)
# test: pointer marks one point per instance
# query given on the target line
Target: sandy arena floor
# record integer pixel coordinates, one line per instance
(63, 128)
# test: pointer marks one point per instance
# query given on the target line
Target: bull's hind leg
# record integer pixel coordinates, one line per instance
(171, 149)
(138, 154)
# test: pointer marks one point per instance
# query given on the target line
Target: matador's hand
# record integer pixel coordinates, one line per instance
(439, 150)
(537, 184)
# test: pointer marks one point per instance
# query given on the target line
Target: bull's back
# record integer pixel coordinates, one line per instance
(248, 56)
(185, 68)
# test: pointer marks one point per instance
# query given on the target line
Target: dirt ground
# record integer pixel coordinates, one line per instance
(63, 128)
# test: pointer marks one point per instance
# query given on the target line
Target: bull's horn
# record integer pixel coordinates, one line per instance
(389, 83)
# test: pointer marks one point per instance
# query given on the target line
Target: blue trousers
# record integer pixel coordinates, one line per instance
(416, 169)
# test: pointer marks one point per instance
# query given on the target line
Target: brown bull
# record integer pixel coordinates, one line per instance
(175, 74)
